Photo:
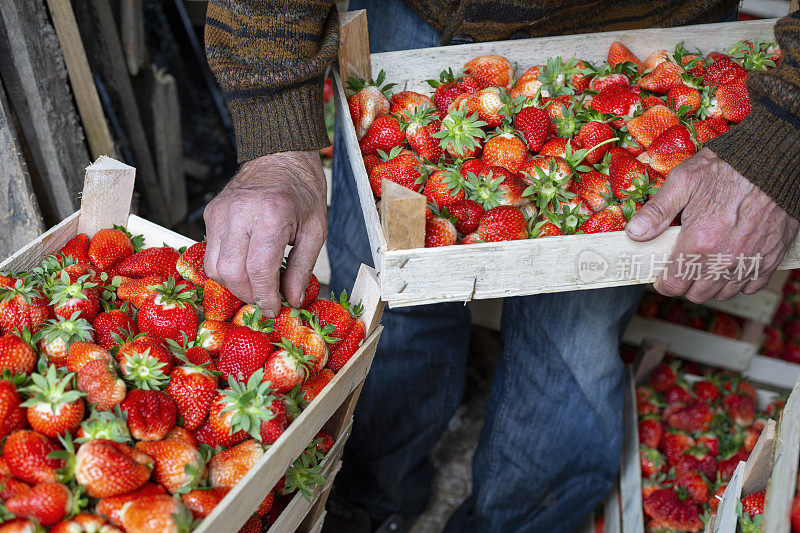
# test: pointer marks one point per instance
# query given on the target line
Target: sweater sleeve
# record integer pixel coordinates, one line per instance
(765, 147)
(269, 58)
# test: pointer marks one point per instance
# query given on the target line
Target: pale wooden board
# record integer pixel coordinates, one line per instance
(317, 528)
(354, 59)
(156, 235)
(132, 30)
(725, 521)
(80, 77)
(759, 464)
(51, 241)
(630, 475)
(692, 344)
(611, 512)
(402, 216)
(781, 488)
(107, 195)
(772, 372)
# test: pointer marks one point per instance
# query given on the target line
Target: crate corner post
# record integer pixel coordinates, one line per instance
(354, 59)
(107, 195)
(367, 292)
(402, 216)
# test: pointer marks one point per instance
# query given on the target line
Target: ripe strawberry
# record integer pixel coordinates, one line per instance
(12, 415)
(79, 297)
(99, 381)
(151, 414)
(693, 417)
(312, 291)
(112, 505)
(449, 86)
(734, 101)
(202, 501)
(710, 442)
(590, 137)
(23, 307)
(114, 323)
(495, 186)
(383, 134)
(347, 347)
(16, 353)
(107, 468)
(338, 313)
(47, 503)
(244, 351)
(491, 70)
(652, 123)
(529, 84)
(314, 385)
(461, 135)
(727, 465)
(151, 514)
(218, 302)
(444, 187)
(502, 223)
(80, 353)
(160, 261)
(440, 232)
(210, 335)
(753, 505)
(419, 127)
(740, 407)
(535, 125)
(491, 104)
(545, 229)
(178, 467)
(170, 314)
(191, 264)
(619, 53)
(723, 70)
(27, 455)
(138, 290)
(228, 467)
(400, 167)
(612, 218)
(674, 444)
(628, 177)
(467, 213)
(408, 102)
(193, 389)
(618, 101)
(669, 511)
(104, 425)
(725, 326)
(650, 431)
(673, 140)
(505, 150)
(11, 488)
(696, 459)
(684, 97)
(108, 247)
(651, 101)
(695, 485)
(368, 101)
(677, 394)
(595, 189)
(662, 78)
(287, 367)
(706, 390)
(53, 409)
(77, 248)
(651, 460)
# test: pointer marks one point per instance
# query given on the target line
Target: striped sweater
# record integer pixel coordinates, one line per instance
(269, 57)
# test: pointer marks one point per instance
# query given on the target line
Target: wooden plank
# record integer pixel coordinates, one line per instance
(132, 29)
(51, 241)
(781, 488)
(354, 59)
(765, 8)
(20, 217)
(772, 372)
(692, 344)
(103, 48)
(650, 355)
(317, 528)
(793, 6)
(759, 464)
(107, 195)
(94, 121)
(630, 475)
(32, 69)
(402, 216)
(725, 521)
(366, 291)
(156, 235)
(611, 513)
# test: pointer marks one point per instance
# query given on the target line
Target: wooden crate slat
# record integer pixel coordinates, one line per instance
(725, 521)
(781, 488)
(107, 182)
(772, 372)
(630, 475)
(51, 241)
(692, 344)
(759, 464)
(156, 235)
(611, 512)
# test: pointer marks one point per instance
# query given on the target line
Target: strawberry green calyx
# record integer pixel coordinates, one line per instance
(446, 76)
(421, 116)
(27, 289)
(144, 371)
(185, 522)
(556, 75)
(574, 158)
(109, 425)
(305, 474)
(46, 273)
(569, 124)
(548, 187)
(303, 361)
(257, 322)
(51, 390)
(394, 152)
(64, 290)
(136, 240)
(354, 85)
(567, 218)
(322, 331)
(354, 310)
(172, 293)
(67, 453)
(67, 329)
(758, 56)
(486, 191)
(461, 130)
(249, 404)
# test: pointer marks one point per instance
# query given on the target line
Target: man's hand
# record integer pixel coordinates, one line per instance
(272, 201)
(723, 213)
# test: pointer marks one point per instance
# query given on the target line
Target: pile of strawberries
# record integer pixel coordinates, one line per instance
(567, 147)
(136, 392)
(782, 337)
(685, 313)
(692, 437)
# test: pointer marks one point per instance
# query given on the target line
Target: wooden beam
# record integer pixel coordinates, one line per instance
(402, 216)
(19, 213)
(107, 183)
(106, 57)
(782, 483)
(354, 59)
(80, 76)
(33, 72)
(132, 28)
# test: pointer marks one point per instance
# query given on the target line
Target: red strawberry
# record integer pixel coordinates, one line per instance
(77, 248)
(228, 467)
(408, 102)
(191, 264)
(151, 414)
(669, 511)
(529, 84)
(505, 150)
(11, 488)
(112, 505)
(244, 351)
(170, 314)
(368, 102)
(696, 459)
(419, 128)
(646, 127)
(673, 140)
(27, 454)
(399, 167)
(48, 503)
(694, 416)
(619, 53)
(314, 385)
(53, 409)
(178, 466)
(287, 367)
(753, 505)
(449, 86)
(193, 390)
(628, 177)
(740, 407)
(99, 381)
(108, 247)
(727, 466)
(677, 394)
(652, 462)
(611, 218)
(695, 485)
(467, 213)
(461, 135)
(662, 78)
(347, 347)
(489, 104)
(16, 353)
(674, 444)
(138, 290)
(440, 232)
(150, 262)
(724, 70)
(78, 297)
(594, 188)
(80, 353)
(590, 137)
(710, 442)
(618, 101)
(684, 98)
(443, 187)
(12, 415)
(491, 70)
(706, 390)
(211, 333)
(734, 100)
(218, 302)
(110, 324)
(271, 429)
(107, 468)
(535, 125)
(156, 513)
(663, 377)
(650, 431)
(23, 307)
(239, 410)
(383, 134)
(651, 101)
(202, 501)
(502, 223)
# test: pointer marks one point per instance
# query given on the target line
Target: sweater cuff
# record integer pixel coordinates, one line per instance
(765, 148)
(291, 120)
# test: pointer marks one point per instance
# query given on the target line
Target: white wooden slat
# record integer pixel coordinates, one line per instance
(772, 372)
(107, 195)
(759, 464)
(765, 8)
(630, 475)
(611, 512)
(49, 242)
(725, 521)
(156, 235)
(781, 488)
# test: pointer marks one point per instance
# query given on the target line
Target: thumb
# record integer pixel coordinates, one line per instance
(657, 214)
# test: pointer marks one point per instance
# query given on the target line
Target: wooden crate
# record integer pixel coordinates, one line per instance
(411, 275)
(106, 200)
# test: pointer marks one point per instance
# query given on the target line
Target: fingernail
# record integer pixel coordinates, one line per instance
(268, 313)
(302, 298)
(637, 226)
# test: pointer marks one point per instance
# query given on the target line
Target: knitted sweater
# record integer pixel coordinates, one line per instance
(269, 57)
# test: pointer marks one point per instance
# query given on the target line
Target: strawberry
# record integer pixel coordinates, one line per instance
(684, 98)
(107, 468)
(108, 247)
(650, 431)
(138, 290)
(725, 326)
(228, 467)
(27, 454)
(545, 229)
(287, 367)
(16, 353)
(528, 84)
(734, 101)
(617, 101)
(628, 177)
(240, 410)
(112, 326)
(652, 123)
(662, 78)
(590, 136)
(99, 381)
(314, 385)
(505, 150)
(449, 86)
(78, 297)
(619, 53)
(80, 353)
(400, 167)
(661, 165)
(674, 444)
(495, 186)
(408, 102)
(151, 414)
(651, 101)
(12, 414)
(191, 264)
(254, 524)
(104, 425)
(11, 488)
(694, 416)
(753, 505)
(535, 125)
(419, 128)
(467, 213)
(170, 314)
(710, 442)
(706, 390)
(84, 523)
(502, 223)
(202, 501)
(152, 514)
(47, 503)
(461, 135)
(728, 464)
(77, 248)
(491, 70)
(338, 313)
(723, 70)
(368, 101)
(443, 187)
(612, 218)
(324, 441)
(696, 459)
(383, 134)
(23, 307)
(347, 347)
(652, 462)
(670, 511)
(218, 302)
(178, 466)
(53, 409)
(740, 407)
(112, 506)
(244, 351)
(440, 232)
(695, 485)
(491, 105)
(673, 140)
(595, 189)
(211, 333)
(677, 394)
(312, 291)
(160, 261)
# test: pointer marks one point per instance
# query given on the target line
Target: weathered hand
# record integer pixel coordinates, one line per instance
(273, 201)
(723, 213)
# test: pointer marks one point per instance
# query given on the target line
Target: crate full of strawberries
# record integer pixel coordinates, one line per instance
(137, 394)
(534, 154)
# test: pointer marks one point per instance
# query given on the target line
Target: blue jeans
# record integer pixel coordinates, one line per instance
(549, 449)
